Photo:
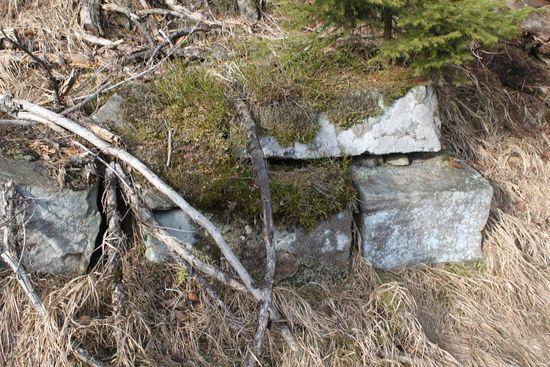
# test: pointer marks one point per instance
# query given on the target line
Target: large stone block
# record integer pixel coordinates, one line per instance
(63, 224)
(410, 124)
(431, 211)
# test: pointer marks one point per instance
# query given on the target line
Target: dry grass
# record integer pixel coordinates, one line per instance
(491, 313)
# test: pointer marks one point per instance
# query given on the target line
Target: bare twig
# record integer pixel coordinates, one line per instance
(100, 41)
(15, 106)
(145, 216)
(84, 356)
(169, 148)
(181, 249)
(114, 244)
(173, 37)
(17, 122)
(114, 239)
(134, 17)
(255, 151)
(108, 87)
(25, 283)
(181, 11)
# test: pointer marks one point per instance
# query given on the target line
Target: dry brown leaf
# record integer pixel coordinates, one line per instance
(193, 297)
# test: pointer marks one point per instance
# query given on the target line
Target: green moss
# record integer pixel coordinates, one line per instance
(181, 277)
(204, 166)
(304, 195)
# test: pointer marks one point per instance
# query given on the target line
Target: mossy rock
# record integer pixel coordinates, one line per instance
(300, 76)
(205, 166)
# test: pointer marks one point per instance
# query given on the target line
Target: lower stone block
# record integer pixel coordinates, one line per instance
(320, 254)
(430, 211)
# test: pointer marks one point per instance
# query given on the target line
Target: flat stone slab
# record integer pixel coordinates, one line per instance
(410, 124)
(111, 113)
(63, 224)
(430, 211)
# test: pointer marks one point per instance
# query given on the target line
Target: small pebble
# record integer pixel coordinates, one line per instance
(398, 160)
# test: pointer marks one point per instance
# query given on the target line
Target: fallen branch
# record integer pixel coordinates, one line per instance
(14, 107)
(134, 18)
(180, 249)
(145, 216)
(96, 40)
(17, 122)
(181, 11)
(255, 151)
(107, 87)
(114, 244)
(114, 238)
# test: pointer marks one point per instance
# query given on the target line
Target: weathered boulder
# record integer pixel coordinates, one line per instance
(63, 224)
(177, 224)
(410, 124)
(322, 253)
(430, 211)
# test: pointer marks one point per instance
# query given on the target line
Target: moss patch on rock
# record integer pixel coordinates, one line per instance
(305, 75)
(204, 166)
(306, 195)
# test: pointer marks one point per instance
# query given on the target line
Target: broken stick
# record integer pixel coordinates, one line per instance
(255, 151)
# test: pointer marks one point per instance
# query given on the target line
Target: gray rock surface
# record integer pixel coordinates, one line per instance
(156, 200)
(410, 124)
(431, 211)
(111, 113)
(320, 254)
(178, 224)
(63, 224)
